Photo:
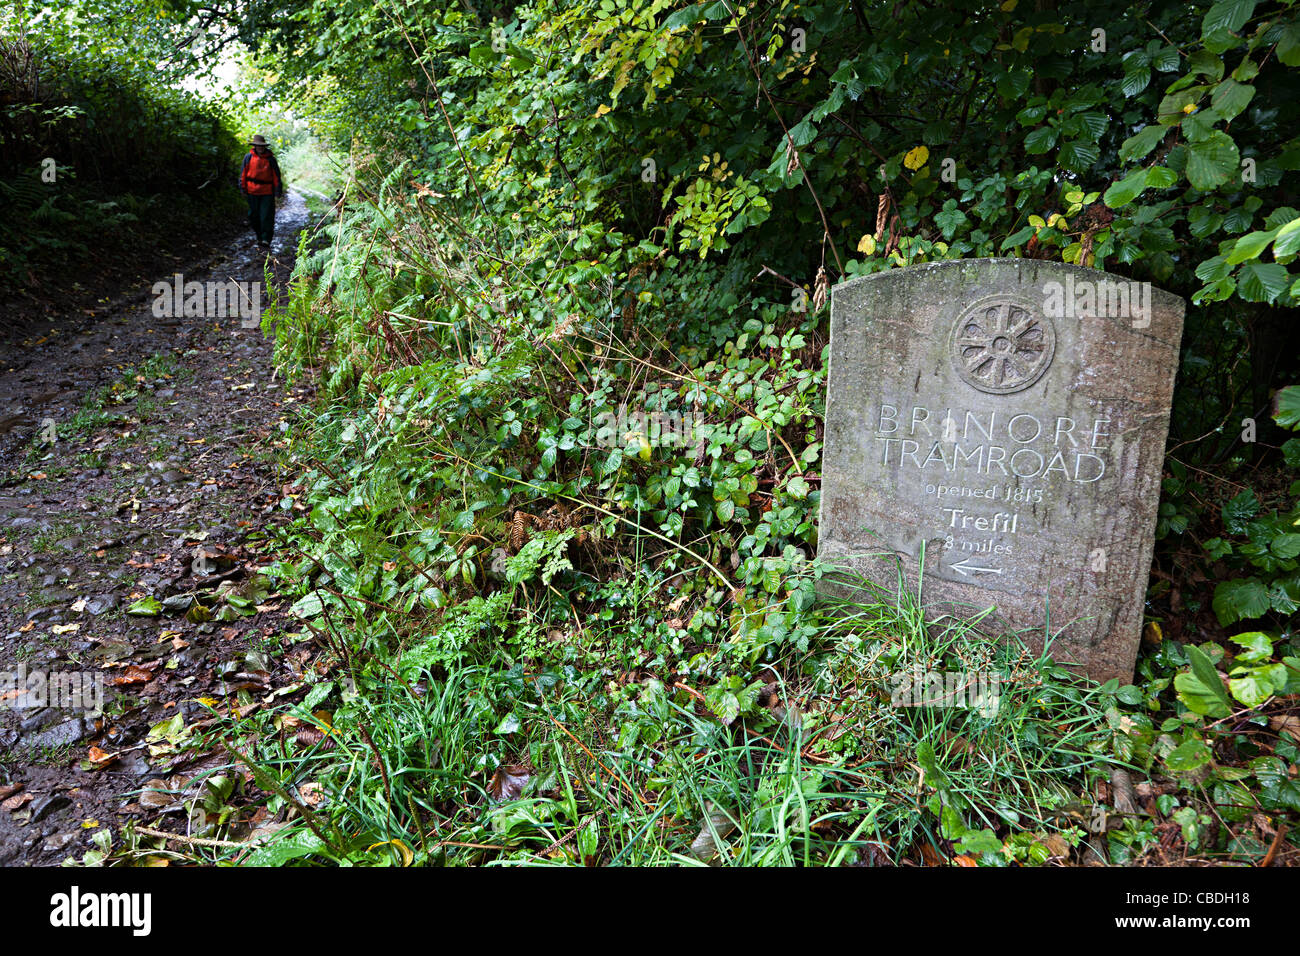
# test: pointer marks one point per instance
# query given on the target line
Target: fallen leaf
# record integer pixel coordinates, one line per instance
(932, 856)
(99, 757)
(1289, 724)
(133, 675)
(508, 782)
(14, 802)
(153, 795)
(1056, 845)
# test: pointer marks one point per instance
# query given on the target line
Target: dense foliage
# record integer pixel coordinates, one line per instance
(100, 156)
(574, 225)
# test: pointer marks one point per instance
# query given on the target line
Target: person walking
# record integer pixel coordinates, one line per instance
(260, 182)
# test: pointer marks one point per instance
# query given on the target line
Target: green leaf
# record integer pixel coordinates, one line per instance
(308, 606)
(1288, 239)
(1204, 671)
(1212, 161)
(1040, 140)
(1256, 685)
(1206, 63)
(282, 851)
(1288, 46)
(723, 702)
(925, 757)
(1126, 190)
(509, 725)
(1141, 143)
(1286, 407)
(1250, 246)
(1212, 270)
(1160, 177)
(146, 607)
(1285, 546)
(1166, 59)
(1238, 511)
(1190, 756)
(1079, 155)
(1262, 281)
(1171, 110)
(1227, 15)
(1230, 98)
(1258, 647)
(1135, 81)
(980, 841)
(1240, 600)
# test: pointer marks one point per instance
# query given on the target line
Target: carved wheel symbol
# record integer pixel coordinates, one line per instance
(1001, 346)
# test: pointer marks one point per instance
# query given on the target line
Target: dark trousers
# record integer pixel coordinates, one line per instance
(261, 215)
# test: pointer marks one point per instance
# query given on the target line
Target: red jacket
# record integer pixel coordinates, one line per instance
(260, 175)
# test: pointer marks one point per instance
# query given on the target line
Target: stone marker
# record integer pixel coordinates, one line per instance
(1007, 418)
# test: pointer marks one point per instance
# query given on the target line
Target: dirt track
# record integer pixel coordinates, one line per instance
(163, 471)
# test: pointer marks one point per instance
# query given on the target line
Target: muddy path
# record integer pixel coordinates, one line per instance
(129, 552)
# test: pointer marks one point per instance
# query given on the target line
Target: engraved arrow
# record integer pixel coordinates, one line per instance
(965, 568)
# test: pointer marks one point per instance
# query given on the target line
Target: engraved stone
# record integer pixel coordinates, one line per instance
(1006, 419)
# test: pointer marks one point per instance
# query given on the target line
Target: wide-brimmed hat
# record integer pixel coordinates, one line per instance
(258, 140)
